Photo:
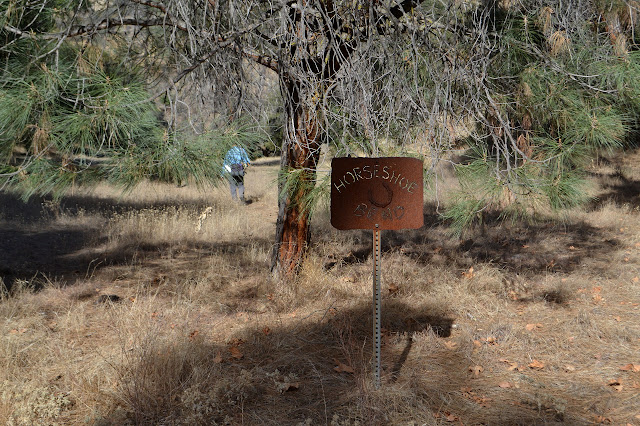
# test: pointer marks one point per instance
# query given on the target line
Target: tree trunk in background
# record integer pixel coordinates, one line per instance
(300, 155)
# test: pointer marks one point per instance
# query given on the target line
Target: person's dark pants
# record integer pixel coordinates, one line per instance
(236, 185)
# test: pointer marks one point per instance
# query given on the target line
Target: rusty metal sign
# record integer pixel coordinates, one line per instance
(376, 193)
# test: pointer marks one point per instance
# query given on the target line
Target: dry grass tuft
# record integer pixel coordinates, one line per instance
(559, 43)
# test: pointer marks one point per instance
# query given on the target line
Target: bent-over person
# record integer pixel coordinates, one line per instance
(235, 162)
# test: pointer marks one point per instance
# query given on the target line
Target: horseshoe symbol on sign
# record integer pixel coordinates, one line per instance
(383, 203)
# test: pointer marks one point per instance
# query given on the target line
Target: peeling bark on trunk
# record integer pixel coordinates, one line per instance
(300, 153)
(312, 66)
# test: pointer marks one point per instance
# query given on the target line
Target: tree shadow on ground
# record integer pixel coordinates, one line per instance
(27, 254)
(157, 260)
(40, 210)
(515, 246)
(618, 190)
(38, 247)
(319, 370)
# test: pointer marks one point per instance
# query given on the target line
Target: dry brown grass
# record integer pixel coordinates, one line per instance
(519, 324)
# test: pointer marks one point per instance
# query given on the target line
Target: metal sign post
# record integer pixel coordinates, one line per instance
(376, 194)
(377, 307)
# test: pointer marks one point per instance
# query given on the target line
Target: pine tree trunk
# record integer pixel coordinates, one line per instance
(300, 153)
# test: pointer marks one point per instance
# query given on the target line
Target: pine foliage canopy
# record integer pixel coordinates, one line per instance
(560, 87)
(75, 113)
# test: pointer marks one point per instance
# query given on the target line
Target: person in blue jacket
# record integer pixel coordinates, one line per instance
(235, 163)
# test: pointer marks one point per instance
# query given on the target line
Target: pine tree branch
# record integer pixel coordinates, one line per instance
(18, 32)
(106, 24)
(264, 60)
